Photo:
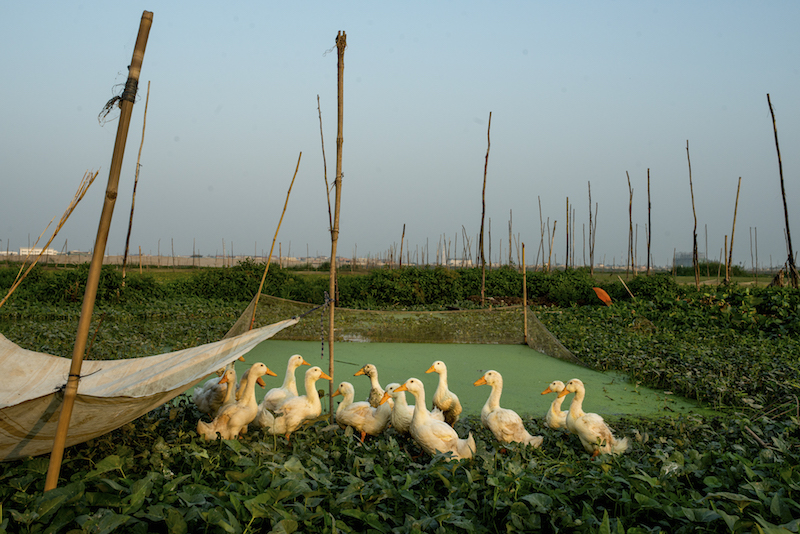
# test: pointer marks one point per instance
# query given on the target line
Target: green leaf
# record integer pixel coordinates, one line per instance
(284, 526)
(176, 524)
(109, 463)
(52, 500)
(541, 502)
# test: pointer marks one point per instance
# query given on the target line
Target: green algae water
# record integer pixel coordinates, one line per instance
(526, 373)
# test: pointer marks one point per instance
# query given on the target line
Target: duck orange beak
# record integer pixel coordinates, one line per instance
(337, 392)
(360, 372)
(260, 382)
(241, 358)
(563, 393)
(270, 372)
(326, 377)
(548, 390)
(304, 362)
(430, 370)
(480, 382)
(402, 388)
(223, 380)
(385, 397)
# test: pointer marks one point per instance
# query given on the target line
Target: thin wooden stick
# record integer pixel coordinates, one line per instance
(274, 238)
(733, 229)
(402, 238)
(483, 210)
(86, 182)
(793, 275)
(695, 262)
(649, 223)
(524, 297)
(135, 183)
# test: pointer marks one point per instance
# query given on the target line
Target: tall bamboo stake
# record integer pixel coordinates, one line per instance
(71, 389)
(630, 225)
(733, 229)
(566, 258)
(591, 234)
(483, 210)
(524, 298)
(271, 248)
(341, 44)
(135, 183)
(649, 223)
(695, 262)
(793, 276)
(402, 238)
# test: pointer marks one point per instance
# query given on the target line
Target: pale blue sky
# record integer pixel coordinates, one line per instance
(579, 92)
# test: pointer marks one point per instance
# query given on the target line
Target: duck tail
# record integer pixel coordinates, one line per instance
(536, 441)
(264, 418)
(619, 446)
(466, 447)
(207, 430)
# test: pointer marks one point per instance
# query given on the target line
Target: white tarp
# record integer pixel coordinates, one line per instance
(111, 393)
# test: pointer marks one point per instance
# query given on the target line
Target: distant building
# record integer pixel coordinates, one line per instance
(37, 251)
(684, 259)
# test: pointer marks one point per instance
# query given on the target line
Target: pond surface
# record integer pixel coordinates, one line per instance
(526, 373)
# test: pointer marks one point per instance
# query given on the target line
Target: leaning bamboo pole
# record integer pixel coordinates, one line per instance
(86, 182)
(733, 229)
(524, 298)
(483, 210)
(135, 183)
(649, 223)
(126, 102)
(271, 248)
(793, 276)
(630, 259)
(695, 262)
(341, 44)
(402, 238)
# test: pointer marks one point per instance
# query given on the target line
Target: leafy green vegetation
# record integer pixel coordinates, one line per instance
(734, 347)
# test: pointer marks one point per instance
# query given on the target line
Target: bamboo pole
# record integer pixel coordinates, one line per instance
(733, 229)
(591, 232)
(341, 44)
(649, 222)
(630, 259)
(274, 238)
(793, 276)
(135, 183)
(695, 262)
(566, 258)
(524, 298)
(483, 210)
(71, 389)
(402, 238)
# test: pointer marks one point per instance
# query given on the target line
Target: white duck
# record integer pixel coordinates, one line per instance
(505, 424)
(402, 412)
(234, 418)
(375, 391)
(443, 398)
(277, 396)
(210, 396)
(360, 415)
(432, 435)
(594, 433)
(296, 410)
(555, 417)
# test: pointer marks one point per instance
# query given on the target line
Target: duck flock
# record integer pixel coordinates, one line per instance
(283, 410)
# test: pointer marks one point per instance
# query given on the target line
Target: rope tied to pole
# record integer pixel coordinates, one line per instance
(128, 94)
